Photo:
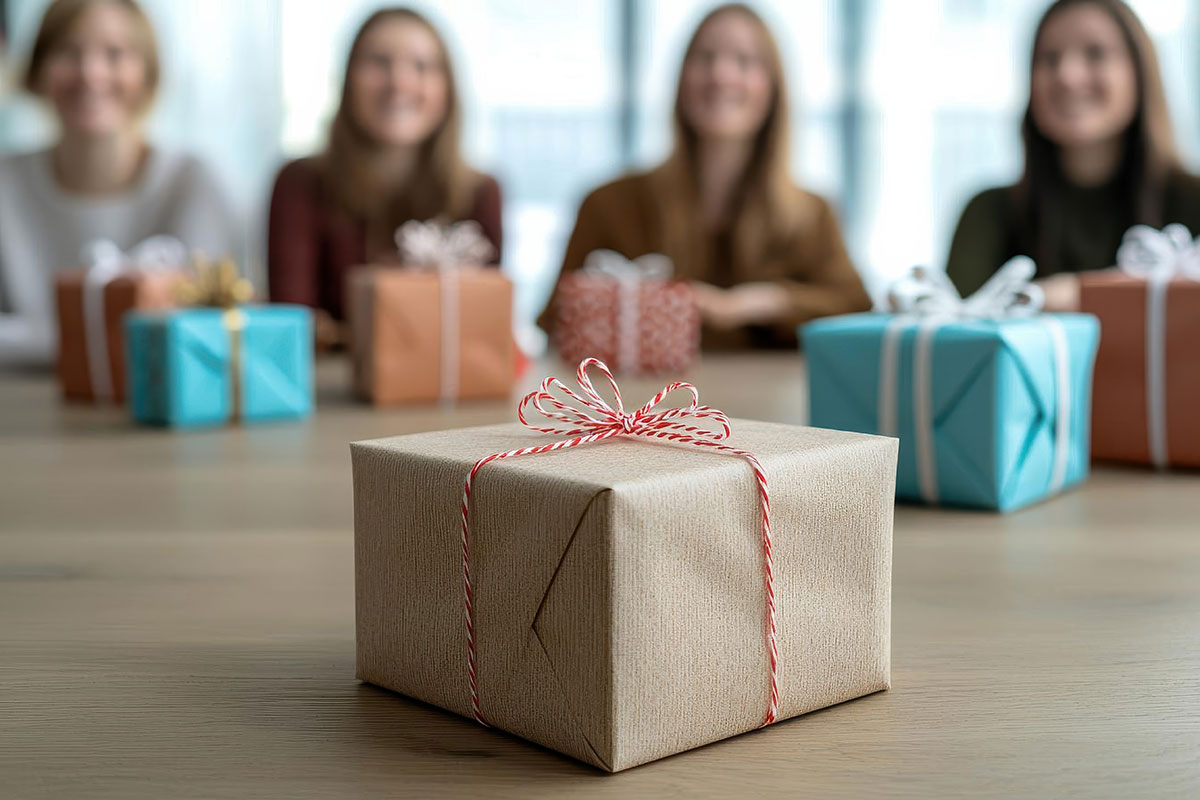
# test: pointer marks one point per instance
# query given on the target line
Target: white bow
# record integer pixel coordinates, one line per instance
(105, 261)
(437, 246)
(1149, 253)
(610, 263)
(925, 292)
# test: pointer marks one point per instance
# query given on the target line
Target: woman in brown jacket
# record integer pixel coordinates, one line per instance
(763, 254)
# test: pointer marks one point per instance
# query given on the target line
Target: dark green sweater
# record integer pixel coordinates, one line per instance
(1094, 219)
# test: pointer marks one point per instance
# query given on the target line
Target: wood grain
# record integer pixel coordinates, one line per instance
(176, 620)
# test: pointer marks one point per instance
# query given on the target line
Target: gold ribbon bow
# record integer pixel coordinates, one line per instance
(214, 284)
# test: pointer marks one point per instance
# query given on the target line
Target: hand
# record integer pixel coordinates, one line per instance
(1062, 292)
(714, 305)
(745, 304)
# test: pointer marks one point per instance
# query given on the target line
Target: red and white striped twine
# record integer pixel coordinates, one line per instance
(594, 422)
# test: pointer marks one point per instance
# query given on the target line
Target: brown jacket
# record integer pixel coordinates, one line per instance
(811, 264)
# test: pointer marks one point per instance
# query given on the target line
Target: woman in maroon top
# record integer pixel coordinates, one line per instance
(393, 155)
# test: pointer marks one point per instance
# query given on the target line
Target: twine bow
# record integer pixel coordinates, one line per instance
(594, 420)
(214, 285)
(437, 246)
(925, 292)
(1149, 253)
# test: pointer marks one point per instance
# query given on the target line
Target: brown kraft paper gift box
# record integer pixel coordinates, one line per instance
(618, 586)
(146, 290)
(397, 334)
(1120, 405)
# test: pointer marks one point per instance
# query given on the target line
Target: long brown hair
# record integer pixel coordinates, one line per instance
(1149, 160)
(442, 185)
(60, 19)
(764, 205)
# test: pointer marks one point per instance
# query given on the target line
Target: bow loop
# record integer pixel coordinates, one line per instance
(433, 245)
(1009, 293)
(926, 292)
(922, 291)
(1149, 253)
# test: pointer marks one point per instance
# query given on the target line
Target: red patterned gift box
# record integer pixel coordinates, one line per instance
(630, 314)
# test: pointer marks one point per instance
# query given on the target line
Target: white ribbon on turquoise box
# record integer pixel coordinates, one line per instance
(927, 299)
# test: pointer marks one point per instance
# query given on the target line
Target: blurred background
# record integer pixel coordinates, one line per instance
(904, 108)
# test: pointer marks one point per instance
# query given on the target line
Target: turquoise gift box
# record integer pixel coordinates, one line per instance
(999, 426)
(194, 367)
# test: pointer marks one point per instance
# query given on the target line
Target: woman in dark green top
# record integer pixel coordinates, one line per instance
(1099, 156)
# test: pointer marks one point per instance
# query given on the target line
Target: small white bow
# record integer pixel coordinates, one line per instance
(104, 260)
(437, 246)
(1009, 293)
(610, 263)
(1146, 252)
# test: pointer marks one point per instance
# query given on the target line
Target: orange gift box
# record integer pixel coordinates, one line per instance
(136, 290)
(426, 335)
(1133, 338)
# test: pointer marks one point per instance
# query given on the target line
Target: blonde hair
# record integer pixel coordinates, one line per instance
(60, 19)
(765, 206)
(444, 184)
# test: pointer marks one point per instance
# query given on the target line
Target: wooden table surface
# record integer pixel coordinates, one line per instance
(176, 620)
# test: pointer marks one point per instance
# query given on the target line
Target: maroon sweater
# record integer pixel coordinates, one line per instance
(312, 245)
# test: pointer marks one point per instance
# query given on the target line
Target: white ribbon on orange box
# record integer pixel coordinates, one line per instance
(447, 249)
(105, 262)
(927, 299)
(628, 276)
(1158, 257)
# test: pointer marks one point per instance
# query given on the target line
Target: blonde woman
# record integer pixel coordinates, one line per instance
(763, 254)
(95, 64)
(393, 155)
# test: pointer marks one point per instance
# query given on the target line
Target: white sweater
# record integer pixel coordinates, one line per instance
(43, 229)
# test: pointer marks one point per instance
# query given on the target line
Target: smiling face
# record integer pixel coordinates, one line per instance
(1084, 88)
(399, 90)
(726, 88)
(96, 76)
